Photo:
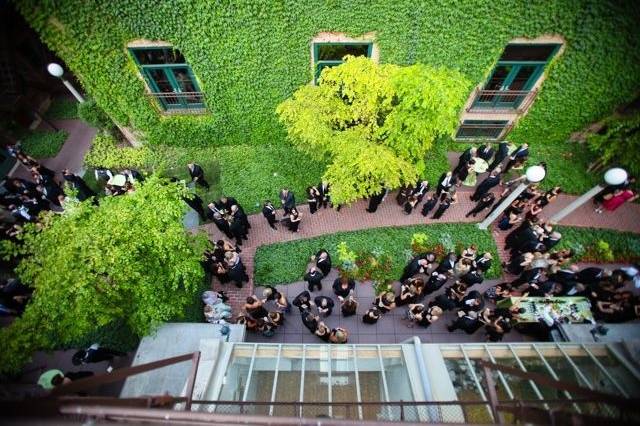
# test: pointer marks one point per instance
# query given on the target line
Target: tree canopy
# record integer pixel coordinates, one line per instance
(128, 259)
(374, 122)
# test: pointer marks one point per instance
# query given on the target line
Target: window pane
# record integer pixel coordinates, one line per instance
(335, 52)
(521, 80)
(499, 76)
(480, 129)
(316, 380)
(262, 376)
(343, 382)
(289, 375)
(235, 378)
(396, 374)
(527, 52)
(159, 56)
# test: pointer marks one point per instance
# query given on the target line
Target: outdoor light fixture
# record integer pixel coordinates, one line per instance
(615, 176)
(57, 71)
(534, 174)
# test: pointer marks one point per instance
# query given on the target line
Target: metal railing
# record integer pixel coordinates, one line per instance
(180, 102)
(505, 101)
(482, 131)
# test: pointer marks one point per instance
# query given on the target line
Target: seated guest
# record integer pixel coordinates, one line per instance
(343, 286)
(472, 301)
(410, 204)
(429, 316)
(470, 252)
(282, 303)
(385, 302)
(276, 317)
(348, 306)
(497, 328)
(338, 335)
(472, 278)
(372, 316)
(466, 321)
(324, 305)
(462, 266)
(417, 265)
(314, 278)
(499, 292)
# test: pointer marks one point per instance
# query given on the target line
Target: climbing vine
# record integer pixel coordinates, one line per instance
(249, 56)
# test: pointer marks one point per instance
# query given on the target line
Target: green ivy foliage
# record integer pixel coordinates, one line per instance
(43, 144)
(128, 259)
(619, 143)
(62, 109)
(284, 263)
(588, 244)
(93, 115)
(251, 55)
(375, 122)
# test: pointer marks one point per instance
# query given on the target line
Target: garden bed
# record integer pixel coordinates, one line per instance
(284, 263)
(600, 245)
(39, 144)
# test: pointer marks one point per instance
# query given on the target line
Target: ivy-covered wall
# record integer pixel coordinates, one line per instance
(249, 55)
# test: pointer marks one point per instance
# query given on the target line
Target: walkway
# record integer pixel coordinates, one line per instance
(71, 154)
(352, 218)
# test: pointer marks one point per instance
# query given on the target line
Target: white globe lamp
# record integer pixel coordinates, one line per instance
(615, 176)
(535, 174)
(55, 70)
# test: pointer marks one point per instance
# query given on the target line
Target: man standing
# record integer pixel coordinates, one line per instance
(197, 175)
(221, 222)
(323, 190)
(485, 186)
(421, 190)
(446, 181)
(485, 152)
(503, 152)
(519, 156)
(269, 212)
(376, 199)
(464, 159)
(287, 199)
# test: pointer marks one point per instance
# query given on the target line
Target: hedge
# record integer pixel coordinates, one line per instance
(43, 144)
(284, 263)
(624, 246)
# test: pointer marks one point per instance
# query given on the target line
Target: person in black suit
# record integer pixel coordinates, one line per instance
(237, 271)
(501, 154)
(447, 264)
(238, 230)
(222, 224)
(323, 262)
(485, 202)
(444, 205)
(421, 190)
(467, 155)
(314, 277)
(446, 181)
(78, 184)
(269, 212)
(519, 156)
(197, 175)
(287, 199)
(323, 191)
(239, 214)
(485, 152)
(376, 199)
(485, 186)
(195, 203)
(226, 203)
(429, 204)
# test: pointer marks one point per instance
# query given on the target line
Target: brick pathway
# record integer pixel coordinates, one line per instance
(328, 221)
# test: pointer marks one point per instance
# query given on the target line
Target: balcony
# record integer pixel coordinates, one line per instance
(180, 102)
(501, 101)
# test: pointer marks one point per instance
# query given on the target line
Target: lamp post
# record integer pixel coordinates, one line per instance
(534, 174)
(57, 71)
(615, 176)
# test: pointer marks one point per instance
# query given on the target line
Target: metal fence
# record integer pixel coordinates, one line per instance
(497, 101)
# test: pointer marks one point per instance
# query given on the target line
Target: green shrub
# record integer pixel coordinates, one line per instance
(619, 143)
(600, 245)
(62, 109)
(92, 114)
(43, 144)
(104, 152)
(284, 263)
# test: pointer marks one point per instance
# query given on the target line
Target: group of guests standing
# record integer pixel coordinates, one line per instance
(23, 200)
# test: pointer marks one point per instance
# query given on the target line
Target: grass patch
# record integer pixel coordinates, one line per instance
(41, 144)
(284, 263)
(625, 246)
(62, 109)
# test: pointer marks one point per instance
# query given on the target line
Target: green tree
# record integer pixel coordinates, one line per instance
(128, 259)
(375, 123)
